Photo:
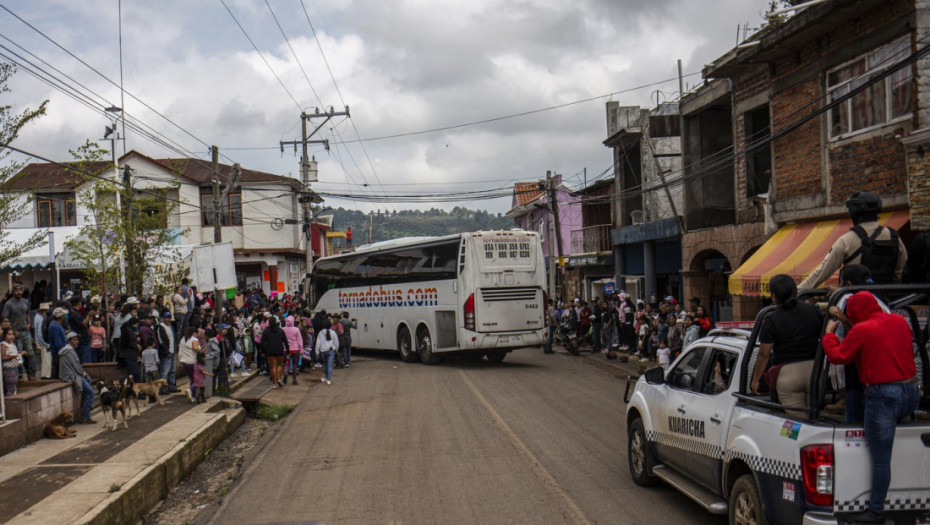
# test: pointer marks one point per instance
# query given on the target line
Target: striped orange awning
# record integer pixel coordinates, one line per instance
(797, 250)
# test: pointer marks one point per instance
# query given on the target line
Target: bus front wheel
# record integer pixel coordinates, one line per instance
(405, 346)
(425, 348)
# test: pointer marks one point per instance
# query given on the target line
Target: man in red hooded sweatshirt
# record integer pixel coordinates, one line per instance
(881, 346)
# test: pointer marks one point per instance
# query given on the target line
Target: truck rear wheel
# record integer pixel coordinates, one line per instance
(405, 346)
(745, 503)
(641, 460)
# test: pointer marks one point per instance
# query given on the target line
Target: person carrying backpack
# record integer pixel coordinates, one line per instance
(868, 243)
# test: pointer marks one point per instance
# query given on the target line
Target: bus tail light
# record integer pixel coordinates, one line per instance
(545, 308)
(469, 311)
(817, 472)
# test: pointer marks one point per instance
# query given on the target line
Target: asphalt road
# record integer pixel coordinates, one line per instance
(535, 439)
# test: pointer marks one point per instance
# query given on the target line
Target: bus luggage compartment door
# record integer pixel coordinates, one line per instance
(513, 309)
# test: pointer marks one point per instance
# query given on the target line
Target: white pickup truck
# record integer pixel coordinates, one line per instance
(698, 428)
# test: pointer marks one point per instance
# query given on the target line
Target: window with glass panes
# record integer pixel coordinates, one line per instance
(55, 209)
(884, 101)
(230, 208)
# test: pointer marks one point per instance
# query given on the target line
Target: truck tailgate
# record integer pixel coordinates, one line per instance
(910, 470)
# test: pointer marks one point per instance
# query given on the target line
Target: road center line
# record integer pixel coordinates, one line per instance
(540, 470)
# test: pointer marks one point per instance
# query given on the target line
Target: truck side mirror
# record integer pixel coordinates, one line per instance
(655, 376)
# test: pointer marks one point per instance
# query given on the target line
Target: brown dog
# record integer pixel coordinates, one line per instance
(58, 428)
(149, 389)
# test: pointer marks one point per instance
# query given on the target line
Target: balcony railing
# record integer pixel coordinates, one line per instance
(593, 239)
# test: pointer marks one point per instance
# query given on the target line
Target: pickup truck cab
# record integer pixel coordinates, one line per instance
(698, 428)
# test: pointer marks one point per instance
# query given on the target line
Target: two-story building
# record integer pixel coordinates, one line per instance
(531, 210)
(590, 267)
(792, 122)
(260, 216)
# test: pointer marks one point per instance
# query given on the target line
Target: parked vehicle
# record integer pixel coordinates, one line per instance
(698, 428)
(567, 337)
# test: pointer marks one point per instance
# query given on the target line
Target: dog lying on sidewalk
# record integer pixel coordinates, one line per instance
(58, 427)
(110, 402)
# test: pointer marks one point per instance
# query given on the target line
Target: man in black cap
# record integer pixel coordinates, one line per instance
(877, 247)
(693, 303)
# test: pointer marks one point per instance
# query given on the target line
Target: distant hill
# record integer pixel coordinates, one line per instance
(415, 223)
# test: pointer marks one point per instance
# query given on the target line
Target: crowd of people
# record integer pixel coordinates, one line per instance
(656, 331)
(277, 335)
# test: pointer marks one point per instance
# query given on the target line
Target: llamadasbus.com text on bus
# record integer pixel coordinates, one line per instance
(380, 297)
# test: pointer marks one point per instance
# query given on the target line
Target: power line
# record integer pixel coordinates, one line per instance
(307, 78)
(339, 93)
(66, 50)
(483, 121)
(288, 42)
(81, 97)
(260, 55)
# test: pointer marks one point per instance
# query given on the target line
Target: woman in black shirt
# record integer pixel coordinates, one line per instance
(788, 340)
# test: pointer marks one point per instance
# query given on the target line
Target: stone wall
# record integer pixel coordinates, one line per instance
(34, 406)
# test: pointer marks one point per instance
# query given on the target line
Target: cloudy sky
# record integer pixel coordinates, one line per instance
(448, 98)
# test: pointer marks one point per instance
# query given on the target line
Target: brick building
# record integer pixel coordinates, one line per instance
(791, 123)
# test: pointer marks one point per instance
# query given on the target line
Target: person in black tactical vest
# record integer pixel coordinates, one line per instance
(868, 243)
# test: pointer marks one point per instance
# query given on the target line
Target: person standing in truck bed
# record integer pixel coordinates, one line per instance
(869, 243)
(881, 346)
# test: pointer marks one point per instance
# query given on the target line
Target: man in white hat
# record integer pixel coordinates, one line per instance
(70, 370)
(42, 353)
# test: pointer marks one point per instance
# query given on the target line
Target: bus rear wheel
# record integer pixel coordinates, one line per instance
(405, 346)
(496, 356)
(425, 348)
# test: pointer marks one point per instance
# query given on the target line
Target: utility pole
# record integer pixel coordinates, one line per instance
(550, 241)
(306, 198)
(308, 174)
(218, 198)
(127, 216)
(371, 224)
(554, 208)
(217, 227)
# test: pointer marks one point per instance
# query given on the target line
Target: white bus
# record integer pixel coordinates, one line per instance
(480, 293)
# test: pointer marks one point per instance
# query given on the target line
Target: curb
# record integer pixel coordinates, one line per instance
(146, 489)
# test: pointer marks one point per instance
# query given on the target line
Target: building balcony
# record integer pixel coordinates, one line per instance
(592, 239)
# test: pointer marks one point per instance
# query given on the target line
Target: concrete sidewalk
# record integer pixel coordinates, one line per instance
(109, 477)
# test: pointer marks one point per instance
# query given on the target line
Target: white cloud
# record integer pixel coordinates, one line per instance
(401, 67)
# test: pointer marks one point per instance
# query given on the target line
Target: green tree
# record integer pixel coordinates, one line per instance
(97, 246)
(145, 232)
(13, 204)
(137, 226)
